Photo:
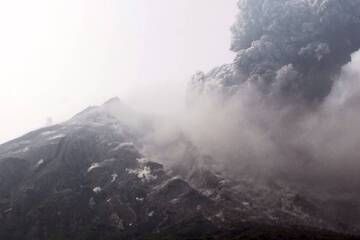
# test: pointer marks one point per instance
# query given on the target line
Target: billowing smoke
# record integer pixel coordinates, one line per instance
(294, 48)
(289, 104)
(271, 135)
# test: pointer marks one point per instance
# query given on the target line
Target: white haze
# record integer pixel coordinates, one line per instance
(58, 57)
(291, 106)
(251, 132)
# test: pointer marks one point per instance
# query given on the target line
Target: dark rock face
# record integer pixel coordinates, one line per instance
(86, 179)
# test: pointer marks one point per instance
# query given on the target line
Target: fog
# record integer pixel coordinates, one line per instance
(287, 106)
(58, 57)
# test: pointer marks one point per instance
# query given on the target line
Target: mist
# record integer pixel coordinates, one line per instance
(287, 107)
(60, 57)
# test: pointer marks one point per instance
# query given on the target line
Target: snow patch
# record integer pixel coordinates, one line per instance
(174, 201)
(143, 173)
(97, 189)
(101, 164)
(151, 213)
(114, 176)
(56, 136)
(46, 133)
(139, 199)
(123, 145)
(40, 162)
(93, 166)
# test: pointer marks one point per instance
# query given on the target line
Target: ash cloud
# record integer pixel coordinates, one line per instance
(250, 128)
(294, 48)
(289, 104)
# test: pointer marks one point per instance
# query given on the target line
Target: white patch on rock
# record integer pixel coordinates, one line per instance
(143, 173)
(46, 133)
(174, 201)
(139, 199)
(122, 145)
(114, 176)
(97, 189)
(56, 136)
(151, 213)
(93, 166)
(101, 164)
(40, 162)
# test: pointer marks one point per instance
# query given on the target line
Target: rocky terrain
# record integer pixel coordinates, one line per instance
(281, 120)
(87, 179)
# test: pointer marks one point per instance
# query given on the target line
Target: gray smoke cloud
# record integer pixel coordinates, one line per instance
(289, 104)
(293, 48)
(267, 132)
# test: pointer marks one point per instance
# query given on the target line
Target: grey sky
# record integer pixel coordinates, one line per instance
(58, 57)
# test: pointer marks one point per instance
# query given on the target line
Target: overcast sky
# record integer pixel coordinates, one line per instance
(58, 57)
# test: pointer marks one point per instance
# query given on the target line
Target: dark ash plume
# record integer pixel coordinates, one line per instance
(290, 47)
(290, 100)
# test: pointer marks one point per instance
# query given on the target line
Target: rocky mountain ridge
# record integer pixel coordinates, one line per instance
(86, 179)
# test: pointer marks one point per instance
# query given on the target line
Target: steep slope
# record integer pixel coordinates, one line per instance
(249, 196)
(86, 179)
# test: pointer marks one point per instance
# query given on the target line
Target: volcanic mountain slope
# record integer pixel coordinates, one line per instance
(86, 179)
(83, 179)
